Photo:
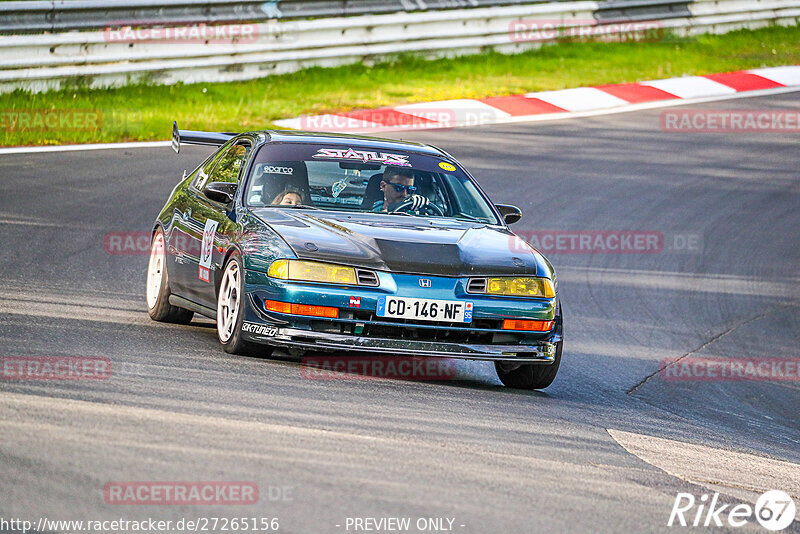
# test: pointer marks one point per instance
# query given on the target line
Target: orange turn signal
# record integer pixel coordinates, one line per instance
(535, 326)
(301, 309)
(275, 306)
(316, 311)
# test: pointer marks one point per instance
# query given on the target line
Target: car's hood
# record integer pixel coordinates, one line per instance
(403, 244)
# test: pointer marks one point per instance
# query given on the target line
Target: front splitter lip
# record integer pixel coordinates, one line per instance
(542, 352)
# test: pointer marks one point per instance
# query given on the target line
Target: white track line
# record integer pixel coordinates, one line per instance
(74, 148)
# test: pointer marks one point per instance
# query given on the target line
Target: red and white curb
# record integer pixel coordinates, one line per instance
(549, 105)
(542, 106)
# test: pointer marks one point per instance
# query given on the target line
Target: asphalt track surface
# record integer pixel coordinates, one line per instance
(177, 408)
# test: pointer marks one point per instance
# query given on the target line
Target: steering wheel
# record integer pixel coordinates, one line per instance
(419, 205)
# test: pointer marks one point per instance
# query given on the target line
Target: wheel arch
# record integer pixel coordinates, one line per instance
(233, 247)
(156, 226)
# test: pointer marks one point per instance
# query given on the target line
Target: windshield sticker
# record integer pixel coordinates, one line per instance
(269, 169)
(337, 188)
(364, 155)
(446, 166)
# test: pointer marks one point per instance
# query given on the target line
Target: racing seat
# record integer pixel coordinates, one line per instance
(267, 185)
(424, 184)
(373, 192)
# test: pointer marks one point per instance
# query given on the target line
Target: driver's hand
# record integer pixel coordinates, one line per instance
(417, 202)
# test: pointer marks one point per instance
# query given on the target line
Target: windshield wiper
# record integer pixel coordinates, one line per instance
(468, 217)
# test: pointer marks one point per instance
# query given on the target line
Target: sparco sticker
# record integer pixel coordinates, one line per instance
(271, 169)
(206, 250)
(262, 329)
(364, 155)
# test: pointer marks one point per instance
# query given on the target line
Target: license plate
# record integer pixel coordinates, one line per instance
(450, 311)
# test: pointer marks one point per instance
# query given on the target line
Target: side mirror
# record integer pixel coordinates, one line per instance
(511, 214)
(220, 191)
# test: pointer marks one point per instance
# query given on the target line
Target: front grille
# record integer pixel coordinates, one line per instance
(405, 329)
(476, 285)
(367, 278)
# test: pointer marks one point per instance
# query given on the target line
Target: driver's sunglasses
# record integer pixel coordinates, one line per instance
(400, 187)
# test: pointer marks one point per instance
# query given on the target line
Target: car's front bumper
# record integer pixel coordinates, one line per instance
(315, 334)
(293, 338)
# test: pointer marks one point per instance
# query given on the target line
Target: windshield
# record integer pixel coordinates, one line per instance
(310, 176)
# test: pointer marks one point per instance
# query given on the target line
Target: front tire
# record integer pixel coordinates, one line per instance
(230, 308)
(158, 306)
(529, 375)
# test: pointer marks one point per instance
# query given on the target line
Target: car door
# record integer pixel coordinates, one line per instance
(180, 240)
(212, 225)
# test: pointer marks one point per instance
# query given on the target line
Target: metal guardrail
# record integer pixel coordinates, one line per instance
(97, 59)
(637, 10)
(60, 15)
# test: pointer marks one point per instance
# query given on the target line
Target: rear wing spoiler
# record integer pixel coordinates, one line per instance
(191, 137)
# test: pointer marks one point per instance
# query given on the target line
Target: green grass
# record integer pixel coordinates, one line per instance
(144, 112)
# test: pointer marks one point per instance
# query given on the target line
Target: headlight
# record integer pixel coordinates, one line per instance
(520, 287)
(312, 271)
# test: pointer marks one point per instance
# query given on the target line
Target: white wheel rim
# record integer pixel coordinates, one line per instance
(228, 302)
(155, 270)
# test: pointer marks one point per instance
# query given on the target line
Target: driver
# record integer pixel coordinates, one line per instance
(290, 196)
(397, 185)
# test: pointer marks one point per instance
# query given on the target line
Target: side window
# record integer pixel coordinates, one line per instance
(466, 199)
(205, 169)
(230, 165)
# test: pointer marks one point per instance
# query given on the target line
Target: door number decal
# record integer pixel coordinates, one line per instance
(207, 249)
